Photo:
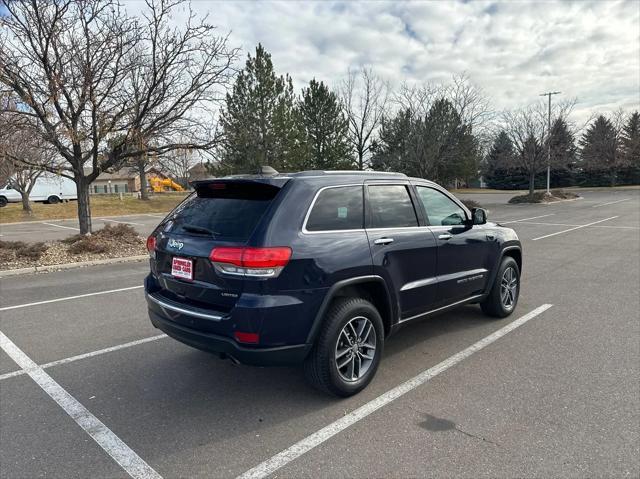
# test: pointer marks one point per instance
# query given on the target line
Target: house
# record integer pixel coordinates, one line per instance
(198, 172)
(124, 180)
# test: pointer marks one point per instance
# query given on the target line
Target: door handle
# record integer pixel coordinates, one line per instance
(445, 236)
(490, 237)
(383, 241)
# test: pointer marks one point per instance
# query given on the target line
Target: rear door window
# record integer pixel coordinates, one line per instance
(390, 206)
(229, 210)
(337, 208)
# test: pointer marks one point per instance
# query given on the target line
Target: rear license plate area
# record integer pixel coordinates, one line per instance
(182, 268)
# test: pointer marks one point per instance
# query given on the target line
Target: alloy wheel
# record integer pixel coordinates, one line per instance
(509, 288)
(355, 348)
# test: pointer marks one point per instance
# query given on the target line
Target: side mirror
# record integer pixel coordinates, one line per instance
(479, 216)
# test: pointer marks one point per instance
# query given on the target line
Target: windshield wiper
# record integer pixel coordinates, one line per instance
(199, 229)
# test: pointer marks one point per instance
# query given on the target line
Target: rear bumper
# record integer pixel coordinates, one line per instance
(256, 356)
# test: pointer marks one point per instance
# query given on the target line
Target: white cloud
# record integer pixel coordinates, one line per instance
(513, 50)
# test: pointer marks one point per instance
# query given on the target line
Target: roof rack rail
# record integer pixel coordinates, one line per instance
(346, 172)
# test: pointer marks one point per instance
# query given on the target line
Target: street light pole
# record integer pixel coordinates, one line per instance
(548, 94)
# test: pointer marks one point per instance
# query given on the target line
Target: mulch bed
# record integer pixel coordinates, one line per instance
(543, 197)
(109, 242)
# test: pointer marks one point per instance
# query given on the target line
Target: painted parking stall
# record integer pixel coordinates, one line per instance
(564, 373)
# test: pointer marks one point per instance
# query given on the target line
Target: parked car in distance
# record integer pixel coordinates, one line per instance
(320, 268)
(49, 188)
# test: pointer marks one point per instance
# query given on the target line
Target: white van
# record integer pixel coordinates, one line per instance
(49, 188)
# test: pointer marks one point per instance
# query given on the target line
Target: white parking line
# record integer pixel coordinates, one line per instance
(525, 219)
(595, 226)
(133, 464)
(573, 229)
(281, 459)
(25, 305)
(155, 216)
(60, 226)
(611, 203)
(121, 222)
(86, 355)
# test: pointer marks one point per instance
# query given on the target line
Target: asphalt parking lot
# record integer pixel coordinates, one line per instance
(51, 230)
(99, 393)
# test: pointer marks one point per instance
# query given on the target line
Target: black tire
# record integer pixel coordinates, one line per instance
(494, 305)
(320, 366)
(3, 201)
(53, 199)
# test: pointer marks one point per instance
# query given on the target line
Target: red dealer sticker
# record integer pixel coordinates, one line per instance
(182, 268)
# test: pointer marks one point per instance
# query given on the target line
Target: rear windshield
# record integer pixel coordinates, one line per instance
(223, 210)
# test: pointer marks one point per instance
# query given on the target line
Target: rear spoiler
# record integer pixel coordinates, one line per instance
(278, 181)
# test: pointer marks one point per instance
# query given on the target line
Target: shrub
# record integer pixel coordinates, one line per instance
(16, 250)
(104, 240)
(88, 244)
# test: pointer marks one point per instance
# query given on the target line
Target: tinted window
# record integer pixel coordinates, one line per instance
(391, 207)
(441, 210)
(337, 209)
(229, 210)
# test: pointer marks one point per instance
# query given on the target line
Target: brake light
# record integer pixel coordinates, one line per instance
(151, 246)
(248, 261)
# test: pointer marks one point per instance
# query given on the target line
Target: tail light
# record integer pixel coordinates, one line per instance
(253, 262)
(151, 246)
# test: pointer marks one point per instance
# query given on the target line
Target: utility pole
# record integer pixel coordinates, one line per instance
(548, 94)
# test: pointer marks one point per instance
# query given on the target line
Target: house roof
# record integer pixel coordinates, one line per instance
(126, 173)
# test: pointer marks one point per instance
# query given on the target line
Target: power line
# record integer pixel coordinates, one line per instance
(548, 94)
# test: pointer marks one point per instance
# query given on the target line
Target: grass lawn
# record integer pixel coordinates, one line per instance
(107, 205)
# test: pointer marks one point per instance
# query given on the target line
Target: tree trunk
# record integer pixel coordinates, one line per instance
(532, 182)
(144, 194)
(84, 206)
(26, 206)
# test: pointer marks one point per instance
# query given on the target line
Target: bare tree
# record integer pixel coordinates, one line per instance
(23, 154)
(417, 99)
(88, 73)
(178, 163)
(365, 98)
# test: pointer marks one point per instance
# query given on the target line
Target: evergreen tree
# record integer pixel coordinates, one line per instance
(439, 146)
(450, 149)
(326, 129)
(395, 145)
(259, 125)
(599, 149)
(499, 161)
(631, 141)
(563, 145)
(563, 153)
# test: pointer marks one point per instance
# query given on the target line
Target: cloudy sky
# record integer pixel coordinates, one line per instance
(514, 50)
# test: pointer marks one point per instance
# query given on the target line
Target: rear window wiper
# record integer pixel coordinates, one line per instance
(199, 229)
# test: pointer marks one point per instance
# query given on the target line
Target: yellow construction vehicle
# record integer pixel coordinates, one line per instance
(163, 184)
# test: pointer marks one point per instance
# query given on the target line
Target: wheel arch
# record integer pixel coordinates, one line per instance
(512, 250)
(372, 288)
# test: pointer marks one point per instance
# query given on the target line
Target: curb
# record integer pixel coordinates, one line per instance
(65, 266)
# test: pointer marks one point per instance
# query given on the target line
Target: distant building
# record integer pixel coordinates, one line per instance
(124, 180)
(198, 172)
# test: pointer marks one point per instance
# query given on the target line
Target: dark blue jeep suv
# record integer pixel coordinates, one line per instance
(321, 267)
